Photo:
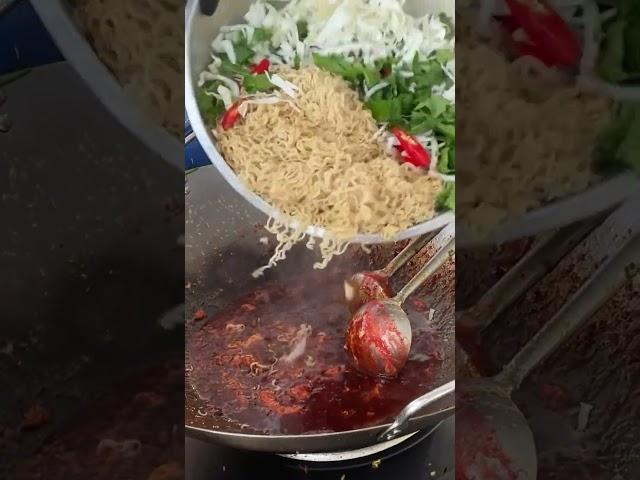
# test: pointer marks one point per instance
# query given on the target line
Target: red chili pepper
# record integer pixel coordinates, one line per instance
(529, 49)
(415, 153)
(547, 31)
(231, 116)
(260, 67)
(508, 22)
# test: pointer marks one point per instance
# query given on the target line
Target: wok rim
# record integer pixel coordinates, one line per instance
(317, 442)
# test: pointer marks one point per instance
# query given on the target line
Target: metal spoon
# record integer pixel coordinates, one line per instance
(363, 287)
(494, 439)
(378, 337)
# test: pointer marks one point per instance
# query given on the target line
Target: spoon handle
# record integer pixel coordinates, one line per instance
(413, 247)
(607, 280)
(401, 421)
(432, 265)
(535, 264)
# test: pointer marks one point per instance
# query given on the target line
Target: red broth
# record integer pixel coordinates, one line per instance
(239, 368)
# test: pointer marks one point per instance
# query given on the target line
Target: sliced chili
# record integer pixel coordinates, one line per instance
(260, 67)
(547, 30)
(414, 152)
(231, 116)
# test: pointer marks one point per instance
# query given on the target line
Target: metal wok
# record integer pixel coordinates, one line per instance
(200, 30)
(222, 249)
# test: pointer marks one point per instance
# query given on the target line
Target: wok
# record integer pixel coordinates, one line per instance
(199, 33)
(222, 249)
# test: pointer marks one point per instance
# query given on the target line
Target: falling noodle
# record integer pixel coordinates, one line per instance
(319, 164)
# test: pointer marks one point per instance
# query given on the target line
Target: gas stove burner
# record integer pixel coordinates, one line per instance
(421, 444)
(426, 454)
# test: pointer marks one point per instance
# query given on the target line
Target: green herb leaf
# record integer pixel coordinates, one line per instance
(261, 35)
(303, 30)
(447, 129)
(446, 199)
(243, 54)
(257, 83)
(444, 55)
(446, 161)
(388, 110)
(210, 107)
(233, 69)
(612, 58)
(435, 105)
(338, 65)
(619, 143)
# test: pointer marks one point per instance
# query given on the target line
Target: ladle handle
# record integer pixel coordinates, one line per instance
(413, 247)
(429, 268)
(400, 424)
(537, 262)
(585, 302)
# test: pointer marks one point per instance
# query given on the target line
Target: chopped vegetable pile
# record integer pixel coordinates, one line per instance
(600, 41)
(402, 67)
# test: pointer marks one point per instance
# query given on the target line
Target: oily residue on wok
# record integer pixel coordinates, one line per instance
(273, 360)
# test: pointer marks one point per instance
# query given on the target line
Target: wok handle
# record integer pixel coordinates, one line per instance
(535, 264)
(607, 280)
(402, 420)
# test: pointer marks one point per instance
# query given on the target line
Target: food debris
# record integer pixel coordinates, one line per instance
(167, 471)
(199, 315)
(583, 416)
(7, 349)
(149, 400)
(554, 397)
(376, 464)
(418, 305)
(35, 417)
(126, 449)
(172, 318)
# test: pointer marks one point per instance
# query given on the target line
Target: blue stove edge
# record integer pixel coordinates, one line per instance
(194, 154)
